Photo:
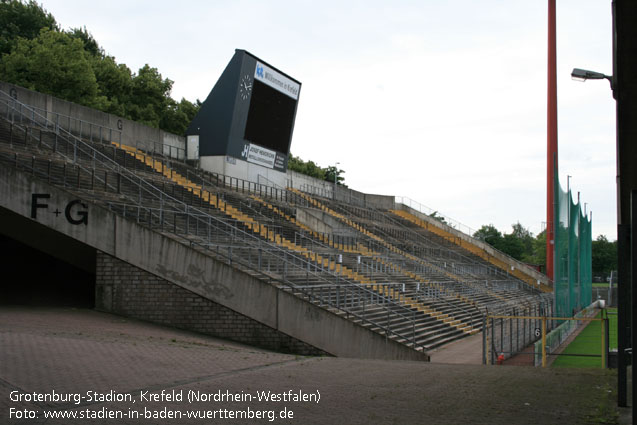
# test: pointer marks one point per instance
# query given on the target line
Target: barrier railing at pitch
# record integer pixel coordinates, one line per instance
(544, 341)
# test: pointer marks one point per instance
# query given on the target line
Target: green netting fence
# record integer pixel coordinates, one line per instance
(573, 265)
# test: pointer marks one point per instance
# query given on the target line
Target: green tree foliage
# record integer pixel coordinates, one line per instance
(178, 115)
(438, 217)
(90, 44)
(522, 245)
(604, 259)
(519, 244)
(115, 83)
(490, 235)
(539, 249)
(149, 96)
(71, 65)
(332, 173)
(308, 168)
(53, 63)
(22, 20)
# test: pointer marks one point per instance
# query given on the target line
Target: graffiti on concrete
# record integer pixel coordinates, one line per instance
(195, 278)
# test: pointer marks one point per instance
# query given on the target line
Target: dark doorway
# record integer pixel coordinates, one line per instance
(32, 277)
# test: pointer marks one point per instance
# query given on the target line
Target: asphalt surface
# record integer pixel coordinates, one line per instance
(93, 366)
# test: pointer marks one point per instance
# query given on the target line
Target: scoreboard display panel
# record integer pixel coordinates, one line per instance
(249, 114)
(270, 118)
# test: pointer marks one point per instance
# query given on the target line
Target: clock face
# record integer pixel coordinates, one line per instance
(245, 87)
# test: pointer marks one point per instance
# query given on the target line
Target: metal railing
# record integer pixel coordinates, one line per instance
(187, 220)
(430, 212)
(459, 270)
(17, 112)
(165, 149)
(455, 225)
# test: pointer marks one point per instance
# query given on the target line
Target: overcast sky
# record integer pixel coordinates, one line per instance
(443, 102)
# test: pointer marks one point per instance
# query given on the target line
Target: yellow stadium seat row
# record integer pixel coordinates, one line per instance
(270, 235)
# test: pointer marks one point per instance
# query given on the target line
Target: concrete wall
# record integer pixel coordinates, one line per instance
(344, 194)
(127, 290)
(310, 184)
(96, 124)
(195, 272)
(322, 222)
(243, 170)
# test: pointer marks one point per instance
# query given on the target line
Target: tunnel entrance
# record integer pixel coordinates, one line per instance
(33, 277)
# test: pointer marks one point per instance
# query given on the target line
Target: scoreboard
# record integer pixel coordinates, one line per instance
(249, 114)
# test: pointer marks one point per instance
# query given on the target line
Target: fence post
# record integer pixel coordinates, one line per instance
(604, 324)
(484, 340)
(543, 341)
(492, 345)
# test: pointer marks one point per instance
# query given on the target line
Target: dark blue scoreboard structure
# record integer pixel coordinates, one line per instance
(249, 114)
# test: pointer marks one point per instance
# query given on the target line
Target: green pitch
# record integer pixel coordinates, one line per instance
(589, 342)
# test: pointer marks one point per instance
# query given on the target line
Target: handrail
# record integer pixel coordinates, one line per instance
(467, 230)
(78, 126)
(372, 243)
(418, 235)
(147, 189)
(57, 122)
(429, 211)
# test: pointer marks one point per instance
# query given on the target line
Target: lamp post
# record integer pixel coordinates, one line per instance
(624, 87)
(335, 178)
(624, 265)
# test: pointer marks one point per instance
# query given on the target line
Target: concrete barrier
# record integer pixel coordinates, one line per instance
(99, 125)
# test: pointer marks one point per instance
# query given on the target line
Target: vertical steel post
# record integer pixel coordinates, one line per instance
(484, 340)
(543, 341)
(551, 140)
(604, 327)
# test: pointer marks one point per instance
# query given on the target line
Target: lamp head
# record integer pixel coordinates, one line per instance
(583, 75)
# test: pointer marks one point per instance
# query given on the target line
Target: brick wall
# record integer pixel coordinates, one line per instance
(127, 290)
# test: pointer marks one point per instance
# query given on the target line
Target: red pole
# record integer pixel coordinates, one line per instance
(551, 152)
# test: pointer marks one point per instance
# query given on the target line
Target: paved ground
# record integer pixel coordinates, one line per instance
(56, 354)
(464, 351)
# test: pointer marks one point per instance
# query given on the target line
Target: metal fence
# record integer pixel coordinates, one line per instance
(148, 205)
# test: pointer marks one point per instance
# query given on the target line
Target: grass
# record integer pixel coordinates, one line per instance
(588, 342)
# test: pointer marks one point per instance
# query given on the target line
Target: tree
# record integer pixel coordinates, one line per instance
(53, 63)
(36, 54)
(332, 173)
(538, 256)
(438, 217)
(490, 235)
(526, 240)
(22, 20)
(512, 246)
(179, 115)
(115, 83)
(519, 244)
(149, 96)
(90, 44)
(604, 257)
(308, 168)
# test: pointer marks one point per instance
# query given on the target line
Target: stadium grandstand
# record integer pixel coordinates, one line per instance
(301, 267)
